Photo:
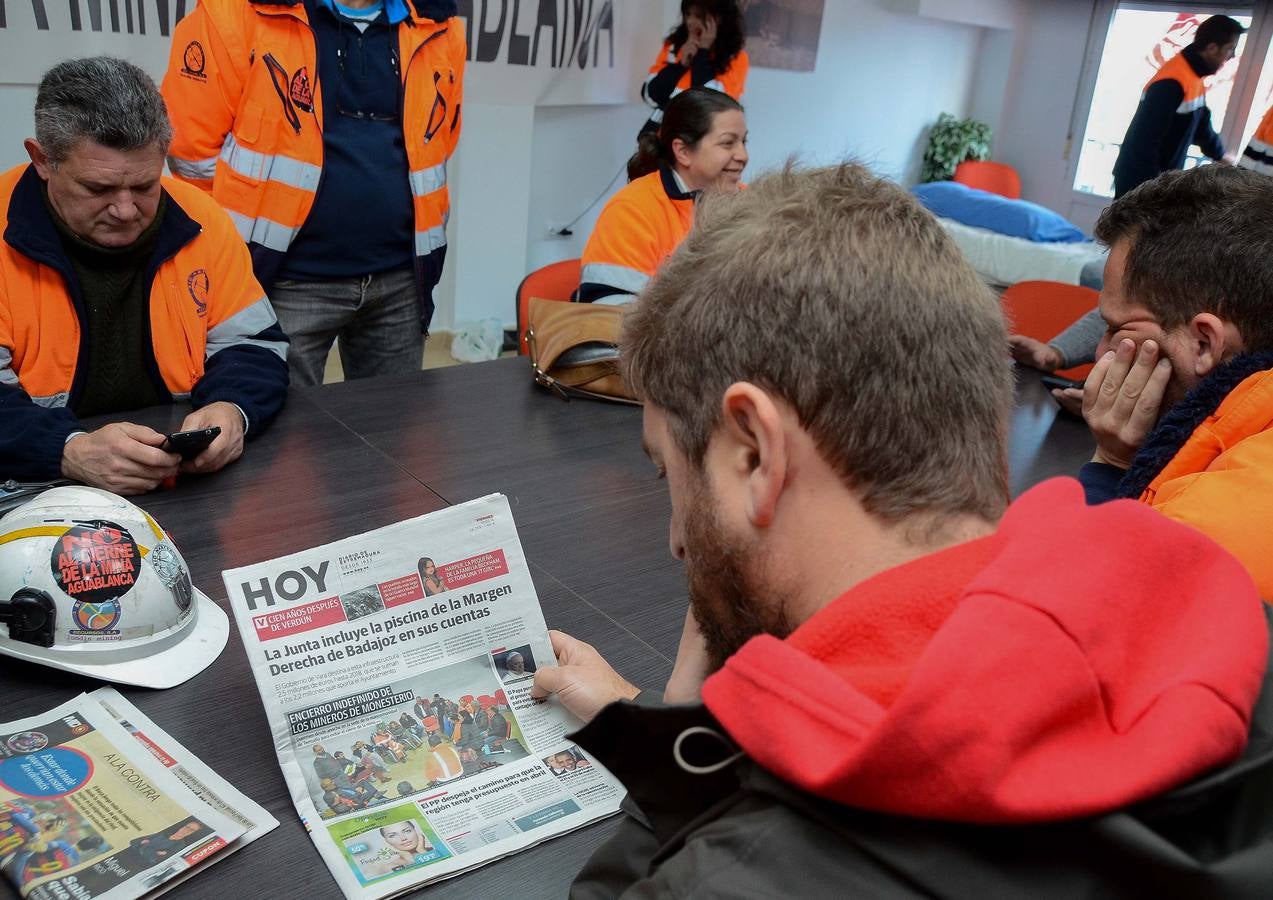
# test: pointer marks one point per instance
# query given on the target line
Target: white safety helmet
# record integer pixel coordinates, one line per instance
(91, 584)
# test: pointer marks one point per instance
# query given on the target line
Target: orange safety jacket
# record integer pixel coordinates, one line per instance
(1259, 153)
(213, 334)
(1220, 481)
(732, 81)
(246, 107)
(639, 227)
(1178, 69)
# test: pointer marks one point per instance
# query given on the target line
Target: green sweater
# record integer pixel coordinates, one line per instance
(117, 322)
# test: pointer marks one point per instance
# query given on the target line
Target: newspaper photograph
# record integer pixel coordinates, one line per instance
(395, 668)
(87, 812)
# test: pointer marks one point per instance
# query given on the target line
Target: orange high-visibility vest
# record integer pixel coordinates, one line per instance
(1259, 153)
(1178, 69)
(247, 112)
(1221, 480)
(203, 299)
(731, 81)
(638, 228)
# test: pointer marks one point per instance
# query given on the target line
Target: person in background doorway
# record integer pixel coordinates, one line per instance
(1173, 112)
(704, 50)
(701, 145)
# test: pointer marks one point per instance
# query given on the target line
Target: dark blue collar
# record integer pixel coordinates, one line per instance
(670, 186)
(1178, 424)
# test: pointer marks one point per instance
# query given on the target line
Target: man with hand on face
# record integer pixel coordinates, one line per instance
(880, 662)
(1181, 399)
(120, 289)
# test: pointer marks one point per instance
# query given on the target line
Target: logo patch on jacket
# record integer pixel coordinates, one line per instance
(193, 61)
(302, 94)
(198, 285)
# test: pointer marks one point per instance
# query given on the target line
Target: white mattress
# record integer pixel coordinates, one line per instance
(1004, 260)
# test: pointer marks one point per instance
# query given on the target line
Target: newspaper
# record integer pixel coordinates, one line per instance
(88, 812)
(396, 670)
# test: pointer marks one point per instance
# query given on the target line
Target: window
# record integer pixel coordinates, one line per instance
(1141, 37)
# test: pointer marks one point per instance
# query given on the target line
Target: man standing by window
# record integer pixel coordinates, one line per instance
(324, 128)
(1173, 112)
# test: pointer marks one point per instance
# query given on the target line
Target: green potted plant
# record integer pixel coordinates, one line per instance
(952, 141)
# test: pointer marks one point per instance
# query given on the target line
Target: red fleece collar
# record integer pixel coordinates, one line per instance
(877, 630)
(1082, 659)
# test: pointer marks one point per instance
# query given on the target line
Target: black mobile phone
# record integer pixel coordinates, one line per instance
(1056, 381)
(191, 443)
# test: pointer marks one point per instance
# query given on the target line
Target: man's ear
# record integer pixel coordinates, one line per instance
(39, 158)
(754, 449)
(1212, 341)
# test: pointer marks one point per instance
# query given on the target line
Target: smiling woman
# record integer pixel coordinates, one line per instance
(700, 146)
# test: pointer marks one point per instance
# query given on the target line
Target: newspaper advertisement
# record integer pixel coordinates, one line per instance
(88, 813)
(396, 669)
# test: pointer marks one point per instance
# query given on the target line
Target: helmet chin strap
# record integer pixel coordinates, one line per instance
(31, 616)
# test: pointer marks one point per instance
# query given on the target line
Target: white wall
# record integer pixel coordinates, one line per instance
(882, 78)
(1043, 82)
(989, 88)
(577, 152)
(16, 123)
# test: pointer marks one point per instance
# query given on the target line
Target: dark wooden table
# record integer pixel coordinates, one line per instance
(343, 459)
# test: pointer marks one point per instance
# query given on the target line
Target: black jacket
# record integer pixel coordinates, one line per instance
(1159, 135)
(741, 832)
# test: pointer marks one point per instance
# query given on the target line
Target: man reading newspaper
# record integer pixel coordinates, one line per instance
(891, 682)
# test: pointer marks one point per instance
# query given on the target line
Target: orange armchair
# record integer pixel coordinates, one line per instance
(555, 281)
(998, 178)
(1043, 309)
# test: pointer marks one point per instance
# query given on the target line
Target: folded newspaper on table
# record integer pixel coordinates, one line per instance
(396, 668)
(98, 803)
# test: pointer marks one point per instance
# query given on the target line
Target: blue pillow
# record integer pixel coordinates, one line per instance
(982, 209)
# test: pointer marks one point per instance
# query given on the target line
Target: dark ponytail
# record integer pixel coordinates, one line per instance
(687, 117)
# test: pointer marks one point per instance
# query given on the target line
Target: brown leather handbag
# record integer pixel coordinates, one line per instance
(574, 349)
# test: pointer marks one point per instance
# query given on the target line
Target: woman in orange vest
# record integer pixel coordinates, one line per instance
(704, 50)
(701, 145)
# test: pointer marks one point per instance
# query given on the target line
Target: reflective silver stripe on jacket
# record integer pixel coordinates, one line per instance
(266, 232)
(269, 166)
(621, 277)
(429, 240)
(427, 180)
(193, 168)
(52, 401)
(7, 375)
(241, 329)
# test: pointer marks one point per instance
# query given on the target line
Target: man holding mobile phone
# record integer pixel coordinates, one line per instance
(120, 289)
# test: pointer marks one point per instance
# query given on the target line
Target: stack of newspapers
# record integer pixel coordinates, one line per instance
(98, 803)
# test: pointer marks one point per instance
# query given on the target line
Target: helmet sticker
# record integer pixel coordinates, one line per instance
(96, 563)
(173, 574)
